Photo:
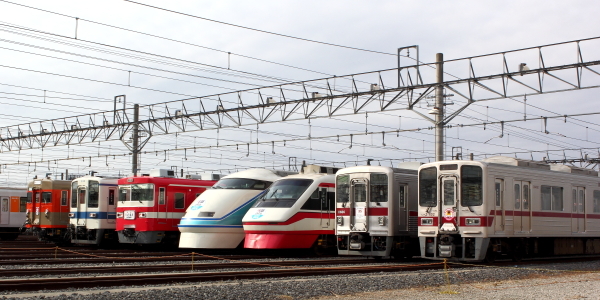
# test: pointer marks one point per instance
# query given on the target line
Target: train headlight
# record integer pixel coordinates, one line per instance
(381, 221)
(93, 215)
(339, 221)
(142, 215)
(427, 221)
(71, 215)
(119, 215)
(472, 221)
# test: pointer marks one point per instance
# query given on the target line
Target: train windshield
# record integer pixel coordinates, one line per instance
(74, 194)
(428, 187)
(342, 190)
(283, 193)
(241, 184)
(93, 194)
(46, 197)
(136, 192)
(29, 197)
(471, 186)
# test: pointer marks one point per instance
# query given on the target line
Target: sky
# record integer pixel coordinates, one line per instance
(62, 59)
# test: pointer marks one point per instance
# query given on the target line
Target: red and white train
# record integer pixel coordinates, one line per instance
(376, 211)
(150, 206)
(297, 211)
(13, 202)
(479, 210)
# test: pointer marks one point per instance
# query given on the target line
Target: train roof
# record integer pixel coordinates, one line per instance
(511, 161)
(359, 169)
(259, 174)
(307, 176)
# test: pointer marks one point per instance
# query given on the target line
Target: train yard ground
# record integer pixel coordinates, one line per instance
(253, 277)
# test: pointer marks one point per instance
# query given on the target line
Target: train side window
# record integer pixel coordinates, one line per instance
(64, 198)
(313, 202)
(517, 196)
(581, 200)
(552, 198)
(179, 200)
(574, 197)
(5, 204)
(23, 203)
(525, 196)
(596, 201)
(46, 197)
(161, 195)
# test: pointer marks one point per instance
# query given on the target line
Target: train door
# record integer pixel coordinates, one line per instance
(358, 199)
(522, 212)
(499, 205)
(403, 210)
(4, 210)
(112, 207)
(81, 207)
(449, 212)
(326, 207)
(161, 207)
(578, 210)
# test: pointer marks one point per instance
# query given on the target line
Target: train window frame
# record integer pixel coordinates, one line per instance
(64, 198)
(425, 191)
(471, 187)
(46, 197)
(179, 202)
(550, 200)
(596, 196)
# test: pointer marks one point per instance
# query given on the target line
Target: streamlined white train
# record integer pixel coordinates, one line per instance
(376, 211)
(214, 219)
(297, 211)
(503, 206)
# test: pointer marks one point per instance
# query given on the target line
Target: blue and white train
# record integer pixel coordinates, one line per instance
(214, 219)
(93, 210)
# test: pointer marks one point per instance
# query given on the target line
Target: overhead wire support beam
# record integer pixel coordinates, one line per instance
(350, 95)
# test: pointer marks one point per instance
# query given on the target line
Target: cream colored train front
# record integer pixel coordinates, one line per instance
(503, 206)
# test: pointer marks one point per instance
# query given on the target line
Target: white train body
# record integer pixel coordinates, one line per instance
(93, 210)
(214, 219)
(376, 211)
(13, 209)
(476, 210)
(295, 212)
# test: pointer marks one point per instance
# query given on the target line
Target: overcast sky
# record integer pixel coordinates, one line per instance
(191, 59)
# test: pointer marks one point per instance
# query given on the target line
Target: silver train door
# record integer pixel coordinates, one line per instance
(578, 210)
(358, 198)
(449, 211)
(522, 214)
(4, 210)
(499, 205)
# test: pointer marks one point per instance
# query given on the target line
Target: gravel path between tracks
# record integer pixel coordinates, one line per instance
(557, 281)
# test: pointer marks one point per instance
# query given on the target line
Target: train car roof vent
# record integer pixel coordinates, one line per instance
(573, 170)
(511, 161)
(204, 176)
(162, 173)
(319, 169)
(411, 165)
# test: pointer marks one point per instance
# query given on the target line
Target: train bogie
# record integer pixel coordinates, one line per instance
(375, 211)
(214, 220)
(297, 211)
(13, 203)
(502, 206)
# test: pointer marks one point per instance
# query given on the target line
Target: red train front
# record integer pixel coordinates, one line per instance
(150, 207)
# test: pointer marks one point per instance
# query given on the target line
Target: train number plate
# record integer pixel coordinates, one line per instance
(129, 215)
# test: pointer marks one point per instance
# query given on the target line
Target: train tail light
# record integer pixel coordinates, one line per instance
(427, 221)
(71, 215)
(142, 215)
(119, 215)
(93, 215)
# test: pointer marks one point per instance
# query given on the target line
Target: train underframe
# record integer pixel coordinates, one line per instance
(131, 236)
(84, 235)
(455, 247)
(365, 244)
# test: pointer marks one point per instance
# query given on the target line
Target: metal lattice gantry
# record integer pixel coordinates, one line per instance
(544, 69)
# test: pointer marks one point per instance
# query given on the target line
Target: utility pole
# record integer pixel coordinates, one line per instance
(135, 147)
(439, 104)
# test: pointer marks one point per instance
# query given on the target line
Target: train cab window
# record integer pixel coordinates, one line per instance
(517, 196)
(448, 186)
(284, 193)
(136, 192)
(471, 185)
(428, 187)
(46, 197)
(360, 192)
(552, 198)
(64, 198)
(342, 188)
(379, 188)
(74, 194)
(23, 203)
(596, 201)
(93, 194)
(179, 200)
(29, 197)
(241, 184)
(313, 202)
(161, 196)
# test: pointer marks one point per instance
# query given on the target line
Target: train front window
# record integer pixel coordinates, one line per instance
(46, 197)
(379, 188)
(342, 188)
(241, 184)
(471, 185)
(74, 194)
(360, 192)
(93, 194)
(284, 193)
(29, 197)
(136, 192)
(428, 187)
